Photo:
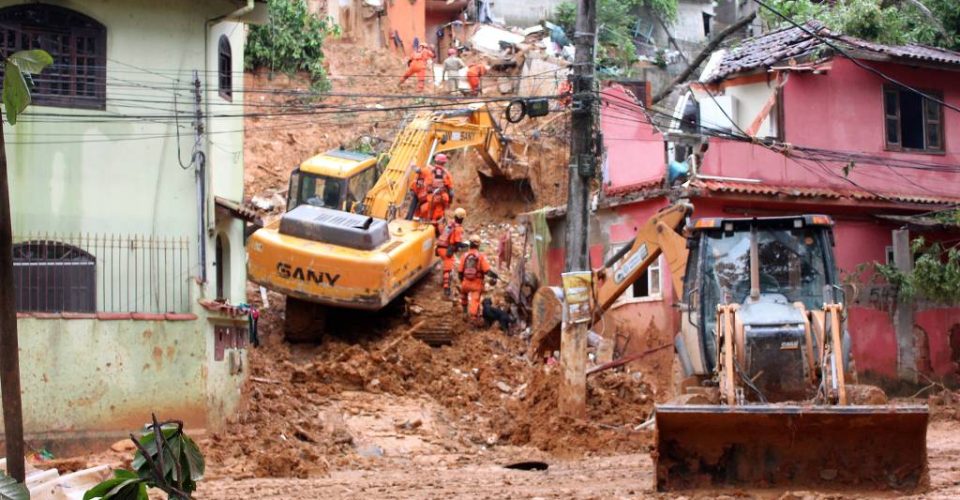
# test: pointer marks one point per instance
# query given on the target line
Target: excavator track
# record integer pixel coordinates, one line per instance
(435, 332)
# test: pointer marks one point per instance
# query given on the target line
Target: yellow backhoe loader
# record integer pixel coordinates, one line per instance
(765, 356)
(342, 241)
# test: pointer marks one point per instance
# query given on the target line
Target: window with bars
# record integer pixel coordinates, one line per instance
(912, 122)
(77, 43)
(224, 68)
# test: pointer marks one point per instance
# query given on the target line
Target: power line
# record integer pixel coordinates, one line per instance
(855, 60)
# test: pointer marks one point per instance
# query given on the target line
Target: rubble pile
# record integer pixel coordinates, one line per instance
(291, 424)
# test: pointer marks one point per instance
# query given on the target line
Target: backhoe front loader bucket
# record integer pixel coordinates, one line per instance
(791, 446)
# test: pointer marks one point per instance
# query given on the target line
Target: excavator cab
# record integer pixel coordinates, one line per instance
(338, 179)
(764, 347)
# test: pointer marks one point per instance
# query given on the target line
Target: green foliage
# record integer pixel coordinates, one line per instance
(948, 216)
(10, 489)
(18, 68)
(935, 276)
(172, 463)
(615, 21)
(291, 42)
(892, 22)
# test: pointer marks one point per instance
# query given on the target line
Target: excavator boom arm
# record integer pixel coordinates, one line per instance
(426, 134)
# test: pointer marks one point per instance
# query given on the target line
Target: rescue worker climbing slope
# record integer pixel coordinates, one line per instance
(449, 243)
(420, 183)
(417, 66)
(473, 269)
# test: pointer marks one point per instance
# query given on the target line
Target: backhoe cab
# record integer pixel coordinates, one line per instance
(773, 270)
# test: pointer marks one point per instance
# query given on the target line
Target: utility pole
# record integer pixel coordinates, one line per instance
(583, 162)
(199, 160)
(9, 344)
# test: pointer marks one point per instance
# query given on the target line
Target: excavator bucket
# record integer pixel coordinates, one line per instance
(505, 189)
(789, 446)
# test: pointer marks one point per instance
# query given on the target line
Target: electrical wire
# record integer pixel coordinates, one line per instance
(855, 60)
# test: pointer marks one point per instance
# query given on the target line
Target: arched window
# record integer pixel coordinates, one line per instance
(52, 276)
(225, 68)
(78, 44)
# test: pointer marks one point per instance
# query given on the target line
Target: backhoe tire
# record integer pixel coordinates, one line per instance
(304, 321)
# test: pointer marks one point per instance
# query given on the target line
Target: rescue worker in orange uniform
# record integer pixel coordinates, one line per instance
(435, 207)
(565, 93)
(474, 268)
(417, 65)
(420, 184)
(449, 242)
(474, 72)
(440, 175)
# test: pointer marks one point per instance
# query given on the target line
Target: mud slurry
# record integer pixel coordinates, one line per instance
(386, 396)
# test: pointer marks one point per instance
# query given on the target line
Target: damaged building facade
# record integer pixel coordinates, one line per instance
(128, 239)
(795, 127)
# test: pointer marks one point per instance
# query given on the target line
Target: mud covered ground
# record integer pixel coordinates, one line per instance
(629, 475)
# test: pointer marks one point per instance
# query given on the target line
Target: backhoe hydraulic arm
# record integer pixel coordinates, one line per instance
(661, 234)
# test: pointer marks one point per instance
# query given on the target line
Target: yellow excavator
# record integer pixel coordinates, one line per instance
(764, 400)
(340, 242)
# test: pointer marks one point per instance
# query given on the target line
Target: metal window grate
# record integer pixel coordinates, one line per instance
(101, 273)
(77, 44)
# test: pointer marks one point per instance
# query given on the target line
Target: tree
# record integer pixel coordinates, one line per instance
(292, 41)
(615, 21)
(893, 22)
(18, 69)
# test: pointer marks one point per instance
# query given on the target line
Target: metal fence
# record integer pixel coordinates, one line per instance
(101, 273)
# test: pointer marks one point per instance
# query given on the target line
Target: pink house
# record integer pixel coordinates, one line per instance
(825, 134)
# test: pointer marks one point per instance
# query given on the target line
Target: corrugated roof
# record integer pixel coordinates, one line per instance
(822, 193)
(770, 48)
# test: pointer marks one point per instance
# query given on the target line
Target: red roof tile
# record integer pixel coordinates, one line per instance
(770, 48)
(631, 188)
(812, 192)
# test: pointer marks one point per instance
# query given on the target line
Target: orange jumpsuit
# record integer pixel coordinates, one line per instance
(441, 179)
(565, 93)
(474, 72)
(449, 241)
(420, 185)
(418, 66)
(473, 268)
(435, 207)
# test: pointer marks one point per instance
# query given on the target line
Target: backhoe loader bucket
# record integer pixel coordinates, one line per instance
(547, 312)
(791, 446)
